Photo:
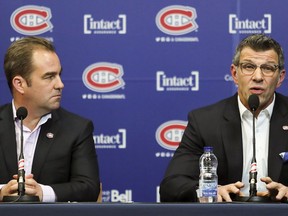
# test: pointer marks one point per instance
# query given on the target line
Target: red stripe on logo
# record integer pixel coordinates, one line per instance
(175, 28)
(98, 70)
(30, 28)
(164, 131)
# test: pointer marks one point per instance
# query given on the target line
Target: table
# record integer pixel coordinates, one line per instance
(142, 209)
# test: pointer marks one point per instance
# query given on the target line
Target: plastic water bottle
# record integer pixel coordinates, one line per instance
(208, 180)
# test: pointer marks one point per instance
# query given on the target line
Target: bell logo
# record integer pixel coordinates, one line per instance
(177, 20)
(125, 197)
(31, 20)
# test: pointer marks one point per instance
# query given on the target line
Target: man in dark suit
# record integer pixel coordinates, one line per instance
(257, 68)
(60, 159)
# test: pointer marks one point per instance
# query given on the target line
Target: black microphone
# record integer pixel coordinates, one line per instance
(253, 102)
(21, 114)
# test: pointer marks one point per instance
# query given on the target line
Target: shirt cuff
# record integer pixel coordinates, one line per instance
(48, 193)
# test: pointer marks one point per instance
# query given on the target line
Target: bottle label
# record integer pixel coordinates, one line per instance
(209, 193)
(208, 189)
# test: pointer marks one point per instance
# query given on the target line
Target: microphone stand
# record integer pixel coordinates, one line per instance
(21, 177)
(253, 172)
(253, 176)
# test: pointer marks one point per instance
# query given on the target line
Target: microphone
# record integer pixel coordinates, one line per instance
(21, 114)
(253, 102)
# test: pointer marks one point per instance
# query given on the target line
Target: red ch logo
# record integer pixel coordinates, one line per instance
(170, 133)
(177, 20)
(31, 20)
(103, 77)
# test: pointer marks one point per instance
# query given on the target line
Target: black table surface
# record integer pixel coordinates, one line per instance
(143, 209)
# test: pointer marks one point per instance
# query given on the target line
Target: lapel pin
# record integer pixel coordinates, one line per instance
(50, 135)
(284, 156)
(285, 127)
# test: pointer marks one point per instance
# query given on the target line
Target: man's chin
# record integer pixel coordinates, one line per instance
(55, 106)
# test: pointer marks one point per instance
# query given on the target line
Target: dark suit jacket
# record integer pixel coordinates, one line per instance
(67, 162)
(219, 125)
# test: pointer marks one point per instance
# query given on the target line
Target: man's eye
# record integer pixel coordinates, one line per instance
(249, 66)
(267, 68)
(50, 77)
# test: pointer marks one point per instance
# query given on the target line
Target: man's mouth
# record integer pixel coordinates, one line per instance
(256, 90)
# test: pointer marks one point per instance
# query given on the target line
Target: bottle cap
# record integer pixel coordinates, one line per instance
(208, 148)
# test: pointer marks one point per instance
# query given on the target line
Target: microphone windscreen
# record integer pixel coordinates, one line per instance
(253, 102)
(21, 113)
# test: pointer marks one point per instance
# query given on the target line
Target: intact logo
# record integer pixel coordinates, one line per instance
(103, 77)
(111, 141)
(31, 20)
(248, 26)
(177, 20)
(174, 83)
(101, 26)
(169, 134)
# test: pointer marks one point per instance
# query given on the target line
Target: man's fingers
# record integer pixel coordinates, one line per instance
(225, 191)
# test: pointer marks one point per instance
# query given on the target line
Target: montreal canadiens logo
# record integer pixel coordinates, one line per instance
(177, 20)
(31, 20)
(169, 134)
(103, 77)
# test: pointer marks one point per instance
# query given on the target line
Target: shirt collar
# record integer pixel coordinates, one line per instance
(14, 110)
(267, 111)
(43, 119)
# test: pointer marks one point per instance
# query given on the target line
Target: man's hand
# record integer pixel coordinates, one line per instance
(10, 189)
(225, 190)
(276, 191)
(31, 187)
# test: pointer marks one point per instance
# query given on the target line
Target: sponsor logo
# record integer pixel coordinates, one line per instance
(228, 78)
(12, 39)
(169, 134)
(115, 141)
(177, 20)
(164, 154)
(158, 194)
(93, 26)
(248, 26)
(31, 20)
(174, 83)
(103, 77)
(116, 196)
(101, 96)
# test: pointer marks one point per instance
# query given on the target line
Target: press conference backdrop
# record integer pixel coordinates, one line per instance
(137, 67)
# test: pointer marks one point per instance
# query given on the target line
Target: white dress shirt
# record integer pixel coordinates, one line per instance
(29, 145)
(262, 126)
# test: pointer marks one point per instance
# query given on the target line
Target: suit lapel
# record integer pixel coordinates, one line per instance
(7, 140)
(44, 144)
(278, 138)
(232, 140)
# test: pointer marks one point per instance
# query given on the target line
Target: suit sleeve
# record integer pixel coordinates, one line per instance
(83, 183)
(181, 178)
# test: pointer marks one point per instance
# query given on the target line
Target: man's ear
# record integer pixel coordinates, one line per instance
(19, 83)
(233, 70)
(281, 78)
